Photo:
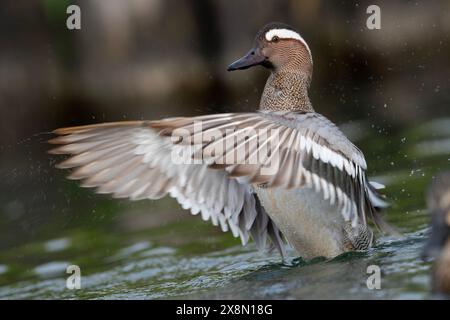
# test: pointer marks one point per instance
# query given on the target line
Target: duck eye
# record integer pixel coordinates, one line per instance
(275, 39)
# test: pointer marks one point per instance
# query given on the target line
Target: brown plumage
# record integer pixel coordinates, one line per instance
(438, 245)
(293, 174)
(287, 91)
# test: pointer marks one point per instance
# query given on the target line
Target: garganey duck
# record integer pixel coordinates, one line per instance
(309, 189)
(438, 245)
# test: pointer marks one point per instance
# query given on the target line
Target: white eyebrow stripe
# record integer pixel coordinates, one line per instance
(287, 34)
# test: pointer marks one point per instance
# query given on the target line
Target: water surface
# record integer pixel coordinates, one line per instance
(155, 250)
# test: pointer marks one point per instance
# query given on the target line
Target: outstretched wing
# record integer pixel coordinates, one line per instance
(225, 156)
(130, 160)
(306, 149)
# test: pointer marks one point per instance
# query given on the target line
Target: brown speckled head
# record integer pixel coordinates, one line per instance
(438, 195)
(438, 202)
(278, 47)
(438, 244)
(282, 50)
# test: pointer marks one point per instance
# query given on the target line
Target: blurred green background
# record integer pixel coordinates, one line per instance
(152, 58)
(148, 59)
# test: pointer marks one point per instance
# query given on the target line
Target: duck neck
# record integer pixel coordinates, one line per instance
(286, 91)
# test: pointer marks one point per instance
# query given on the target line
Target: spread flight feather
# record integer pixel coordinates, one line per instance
(135, 160)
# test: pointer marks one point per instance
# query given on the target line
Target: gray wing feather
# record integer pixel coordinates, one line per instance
(130, 160)
(312, 152)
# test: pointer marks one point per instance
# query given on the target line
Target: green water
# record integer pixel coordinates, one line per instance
(155, 250)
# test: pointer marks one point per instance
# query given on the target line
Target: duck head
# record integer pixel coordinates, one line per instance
(277, 47)
(438, 201)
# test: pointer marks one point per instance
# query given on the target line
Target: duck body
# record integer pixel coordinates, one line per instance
(438, 244)
(317, 199)
(441, 273)
(309, 215)
(310, 224)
